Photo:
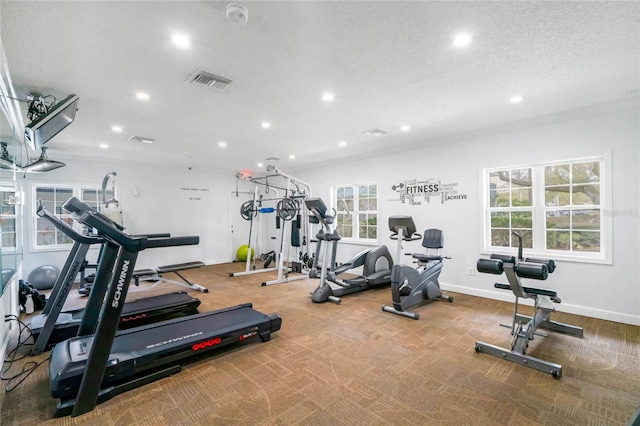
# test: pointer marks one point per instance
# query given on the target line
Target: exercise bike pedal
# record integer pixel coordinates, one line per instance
(405, 290)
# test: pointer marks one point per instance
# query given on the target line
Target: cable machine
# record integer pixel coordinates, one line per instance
(289, 209)
(251, 211)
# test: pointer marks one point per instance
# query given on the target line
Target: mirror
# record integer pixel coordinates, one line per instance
(10, 183)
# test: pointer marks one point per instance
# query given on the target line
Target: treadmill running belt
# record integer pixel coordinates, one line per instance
(157, 345)
(134, 313)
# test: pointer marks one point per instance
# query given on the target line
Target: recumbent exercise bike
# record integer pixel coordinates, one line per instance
(410, 286)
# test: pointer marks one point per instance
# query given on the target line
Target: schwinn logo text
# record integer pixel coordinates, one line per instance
(177, 339)
(121, 280)
(247, 335)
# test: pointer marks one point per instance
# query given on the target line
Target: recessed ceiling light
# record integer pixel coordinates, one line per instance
(181, 40)
(116, 128)
(515, 99)
(142, 96)
(328, 97)
(222, 144)
(405, 128)
(104, 146)
(342, 143)
(265, 125)
(260, 164)
(292, 157)
(462, 40)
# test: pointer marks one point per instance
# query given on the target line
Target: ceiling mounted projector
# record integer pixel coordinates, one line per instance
(237, 13)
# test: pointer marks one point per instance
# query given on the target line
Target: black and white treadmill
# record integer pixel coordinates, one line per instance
(53, 325)
(89, 369)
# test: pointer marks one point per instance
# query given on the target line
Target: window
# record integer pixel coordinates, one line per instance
(53, 197)
(511, 206)
(556, 207)
(8, 218)
(572, 207)
(357, 211)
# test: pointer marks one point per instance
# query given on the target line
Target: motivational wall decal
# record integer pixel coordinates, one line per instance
(415, 192)
(195, 194)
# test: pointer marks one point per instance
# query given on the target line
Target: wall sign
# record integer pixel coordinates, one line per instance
(195, 194)
(415, 191)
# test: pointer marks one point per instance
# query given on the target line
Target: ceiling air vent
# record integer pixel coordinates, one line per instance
(203, 78)
(272, 159)
(375, 132)
(141, 139)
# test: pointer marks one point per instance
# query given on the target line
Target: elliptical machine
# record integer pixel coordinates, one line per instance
(376, 262)
(410, 286)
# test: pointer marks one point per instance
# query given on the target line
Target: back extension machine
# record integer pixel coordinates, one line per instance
(523, 328)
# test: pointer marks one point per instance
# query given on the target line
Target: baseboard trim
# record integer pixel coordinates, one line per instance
(562, 307)
(217, 261)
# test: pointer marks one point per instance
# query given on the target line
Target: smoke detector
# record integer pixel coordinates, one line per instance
(237, 13)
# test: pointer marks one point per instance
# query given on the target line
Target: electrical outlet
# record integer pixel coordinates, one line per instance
(472, 271)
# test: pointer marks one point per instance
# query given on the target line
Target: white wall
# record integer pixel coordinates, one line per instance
(602, 291)
(175, 200)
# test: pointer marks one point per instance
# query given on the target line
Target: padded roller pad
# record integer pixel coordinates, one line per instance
(179, 267)
(505, 258)
(490, 266)
(551, 265)
(536, 271)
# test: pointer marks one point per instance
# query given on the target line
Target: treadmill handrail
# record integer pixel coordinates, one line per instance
(65, 228)
(86, 215)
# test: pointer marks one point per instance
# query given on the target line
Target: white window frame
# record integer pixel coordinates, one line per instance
(539, 210)
(10, 187)
(356, 211)
(76, 192)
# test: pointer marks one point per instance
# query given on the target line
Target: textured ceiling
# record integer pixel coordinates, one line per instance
(388, 63)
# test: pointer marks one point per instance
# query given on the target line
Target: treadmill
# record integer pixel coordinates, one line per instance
(92, 368)
(53, 325)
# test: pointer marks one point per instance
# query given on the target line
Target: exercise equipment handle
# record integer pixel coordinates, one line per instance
(64, 227)
(519, 237)
(105, 181)
(173, 241)
(86, 215)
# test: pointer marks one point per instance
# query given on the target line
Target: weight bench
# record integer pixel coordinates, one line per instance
(157, 275)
